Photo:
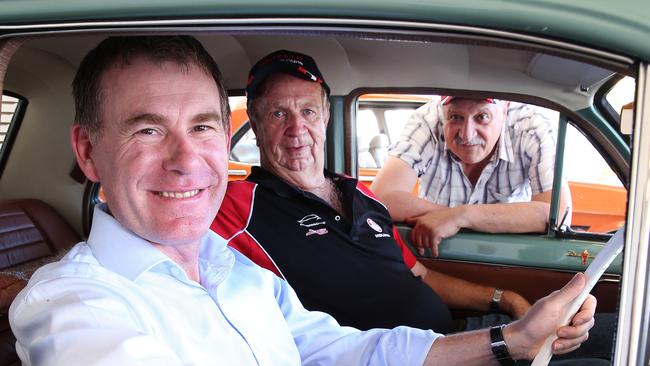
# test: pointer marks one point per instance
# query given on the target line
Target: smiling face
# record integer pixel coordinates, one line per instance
(472, 128)
(290, 120)
(162, 156)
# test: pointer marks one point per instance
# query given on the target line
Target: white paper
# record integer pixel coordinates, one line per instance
(592, 274)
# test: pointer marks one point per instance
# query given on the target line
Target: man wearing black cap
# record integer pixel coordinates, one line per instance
(331, 221)
(482, 164)
(327, 233)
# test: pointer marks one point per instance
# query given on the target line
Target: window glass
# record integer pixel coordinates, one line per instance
(396, 119)
(9, 105)
(367, 129)
(380, 119)
(243, 147)
(9, 121)
(599, 198)
(621, 94)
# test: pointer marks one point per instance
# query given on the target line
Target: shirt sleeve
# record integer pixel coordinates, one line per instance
(322, 341)
(407, 255)
(51, 328)
(538, 141)
(418, 140)
(232, 221)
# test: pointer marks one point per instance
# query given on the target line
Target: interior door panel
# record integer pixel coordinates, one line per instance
(532, 265)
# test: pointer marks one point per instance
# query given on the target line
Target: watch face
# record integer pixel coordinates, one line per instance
(496, 297)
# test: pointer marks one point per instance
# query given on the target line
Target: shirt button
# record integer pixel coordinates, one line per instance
(337, 218)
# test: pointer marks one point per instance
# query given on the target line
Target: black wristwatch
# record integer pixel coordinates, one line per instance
(499, 346)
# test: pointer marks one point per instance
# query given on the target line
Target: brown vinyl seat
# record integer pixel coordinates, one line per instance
(32, 234)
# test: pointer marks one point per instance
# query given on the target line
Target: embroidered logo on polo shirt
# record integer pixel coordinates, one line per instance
(321, 231)
(373, 225)
(310, 221)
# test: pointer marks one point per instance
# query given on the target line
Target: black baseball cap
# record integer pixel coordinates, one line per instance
(293, 63)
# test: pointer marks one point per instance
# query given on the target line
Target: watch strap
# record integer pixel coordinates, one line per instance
(499, 346)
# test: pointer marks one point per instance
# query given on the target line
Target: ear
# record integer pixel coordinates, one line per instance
(254, 128)
(83, 148)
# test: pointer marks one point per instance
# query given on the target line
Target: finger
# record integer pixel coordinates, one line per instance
(420, 250)
(419, 238)
(586, 312)
(571, 289)
(434, 248)
(413, 220)
(563, 345)
(567, 350)
(414, 237)
(575, 331)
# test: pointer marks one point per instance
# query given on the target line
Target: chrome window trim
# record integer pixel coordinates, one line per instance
(631, 345)
(324, 24)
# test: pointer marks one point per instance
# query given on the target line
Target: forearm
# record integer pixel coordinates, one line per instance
(520, 217)
(467, 349)
(394, 185)
(402, 205)
(474, 348)
(458, 293)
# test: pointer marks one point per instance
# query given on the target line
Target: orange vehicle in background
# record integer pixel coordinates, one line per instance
(237, 170)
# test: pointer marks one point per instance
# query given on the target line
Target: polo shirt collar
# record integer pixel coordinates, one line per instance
(271, 181)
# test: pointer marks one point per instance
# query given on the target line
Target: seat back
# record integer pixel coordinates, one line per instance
(31, 234)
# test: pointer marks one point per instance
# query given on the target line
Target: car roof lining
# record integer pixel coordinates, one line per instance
(370, 57)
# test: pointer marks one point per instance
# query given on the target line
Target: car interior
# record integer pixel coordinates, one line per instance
(46, 203)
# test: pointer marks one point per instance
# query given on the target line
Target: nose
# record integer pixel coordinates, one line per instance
(295, 124)
(467, 131)
(181, 155)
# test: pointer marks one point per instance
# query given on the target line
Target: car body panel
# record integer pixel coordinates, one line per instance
(531, 283)
(536, 251)
(611, 35)
(600, 23)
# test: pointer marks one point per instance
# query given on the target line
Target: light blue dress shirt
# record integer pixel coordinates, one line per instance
(116, 300)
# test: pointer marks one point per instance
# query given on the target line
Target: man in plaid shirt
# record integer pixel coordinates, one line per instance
(482, 164)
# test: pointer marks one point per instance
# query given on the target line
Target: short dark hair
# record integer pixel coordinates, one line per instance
(183, 50)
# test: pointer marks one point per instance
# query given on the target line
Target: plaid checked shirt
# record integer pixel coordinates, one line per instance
(521, 166)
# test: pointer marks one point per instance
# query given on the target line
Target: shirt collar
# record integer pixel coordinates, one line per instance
(108, 240)
(269, 180)
(504, 146)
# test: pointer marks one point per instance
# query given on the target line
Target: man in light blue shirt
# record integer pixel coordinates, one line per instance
(153, 286)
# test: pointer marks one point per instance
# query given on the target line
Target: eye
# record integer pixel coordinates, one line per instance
(147, 131)
(278, 114)
(454, 118)
(483, 118)
(202, 128)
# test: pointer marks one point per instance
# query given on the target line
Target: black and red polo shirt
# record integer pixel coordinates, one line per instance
(358, 271)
